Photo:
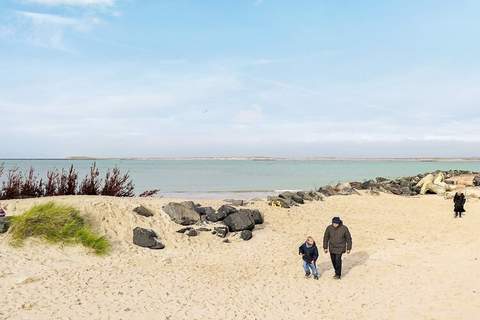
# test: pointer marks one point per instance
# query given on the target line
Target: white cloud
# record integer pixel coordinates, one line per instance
(73, 2)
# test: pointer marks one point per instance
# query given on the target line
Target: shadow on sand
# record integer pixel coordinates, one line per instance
(350, 261)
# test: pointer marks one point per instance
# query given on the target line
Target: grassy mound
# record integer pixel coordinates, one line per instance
(56, 224)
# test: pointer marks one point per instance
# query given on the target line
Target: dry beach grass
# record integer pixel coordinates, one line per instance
(411, 260)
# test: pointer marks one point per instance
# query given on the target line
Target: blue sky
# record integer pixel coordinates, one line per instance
(238, 78)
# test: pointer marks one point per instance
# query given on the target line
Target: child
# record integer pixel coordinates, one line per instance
(309, 253)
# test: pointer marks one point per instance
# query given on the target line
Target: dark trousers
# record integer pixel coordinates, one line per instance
(337, 263)
(458, 214)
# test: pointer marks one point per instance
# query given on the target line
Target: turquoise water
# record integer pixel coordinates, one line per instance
(242, 176)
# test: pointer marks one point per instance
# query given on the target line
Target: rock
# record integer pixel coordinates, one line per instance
(204, 210)
(291, 195)
(227, 210)
(183, 230)
(476, 181)
(221, 214)
(327, 191)
(192, 233)
(204, 229)
(146, 238)
(246, 235)
(221, 231)
(181, 214)
(226, 241)
(254, 213)
(141, 210)
(239, 222)
(189, 204)
(234, 202)
(4, 224)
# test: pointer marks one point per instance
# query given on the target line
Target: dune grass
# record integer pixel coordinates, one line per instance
(56, 224)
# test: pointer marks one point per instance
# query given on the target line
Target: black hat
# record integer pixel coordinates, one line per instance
(336, 220)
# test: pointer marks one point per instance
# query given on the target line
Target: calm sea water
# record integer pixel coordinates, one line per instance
(233, 177)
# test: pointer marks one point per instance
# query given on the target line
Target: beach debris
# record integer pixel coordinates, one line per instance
(279, 202)
(141, 210)
(4, 224)
(146, 238)
(246, 235)
(182, 213)
(192, 233)
(237, 203)
(239, 222)
(254, 213)
(220, 231)
(149, 193)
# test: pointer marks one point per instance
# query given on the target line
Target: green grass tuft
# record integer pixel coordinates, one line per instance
(56, 224)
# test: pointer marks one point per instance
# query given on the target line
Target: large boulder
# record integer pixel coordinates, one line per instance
(146, 238)
(181, 214)
(239, 222)
(291, 195)
(246, 235)
(221, 214)
(327, 191)
(141, 210)
(254, 213)
(4, 224)
(205, 210)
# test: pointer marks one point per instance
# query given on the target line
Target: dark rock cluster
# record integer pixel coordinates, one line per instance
(289, 199)
(225, 219)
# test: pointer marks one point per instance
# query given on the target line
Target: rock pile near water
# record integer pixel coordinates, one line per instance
(404, 186)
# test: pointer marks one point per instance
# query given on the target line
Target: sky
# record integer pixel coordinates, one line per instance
(180, 78)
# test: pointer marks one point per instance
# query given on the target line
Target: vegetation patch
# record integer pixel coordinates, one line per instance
(56, 224)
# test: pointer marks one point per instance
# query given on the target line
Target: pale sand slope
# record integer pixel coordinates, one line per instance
(430, 270)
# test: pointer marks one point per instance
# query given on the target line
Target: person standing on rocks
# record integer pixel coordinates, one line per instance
(459, 202)
(309, 253)
(337, 240)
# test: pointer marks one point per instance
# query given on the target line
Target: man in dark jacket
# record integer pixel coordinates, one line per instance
(459, 203)
(337, 240)
(309, 253)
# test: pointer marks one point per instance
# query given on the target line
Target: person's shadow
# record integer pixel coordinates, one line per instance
(350, 261)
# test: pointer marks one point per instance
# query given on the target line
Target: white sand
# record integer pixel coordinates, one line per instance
(430, 269)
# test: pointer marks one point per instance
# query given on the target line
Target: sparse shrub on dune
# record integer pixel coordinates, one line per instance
(56, 224)
(31, 186)
(91, 183)
(67, 182)
(117, 185)
(12, 187)
(18, 184)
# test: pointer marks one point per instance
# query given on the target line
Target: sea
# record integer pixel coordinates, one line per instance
(242, 179)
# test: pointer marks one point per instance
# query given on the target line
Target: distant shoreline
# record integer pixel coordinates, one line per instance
(253, 158)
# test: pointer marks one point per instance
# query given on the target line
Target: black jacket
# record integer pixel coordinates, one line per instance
(309, 253)
(459, 201)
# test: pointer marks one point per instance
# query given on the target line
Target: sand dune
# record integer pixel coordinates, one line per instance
(411, 260)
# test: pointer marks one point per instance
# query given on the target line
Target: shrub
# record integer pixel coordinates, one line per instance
(56, 224)
(51, 186)
(91, 184)
(12, 187)
(149, 193)
(67, 182)
(117, 185)
(31, 186)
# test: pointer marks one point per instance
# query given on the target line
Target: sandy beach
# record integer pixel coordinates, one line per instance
(410, 260)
